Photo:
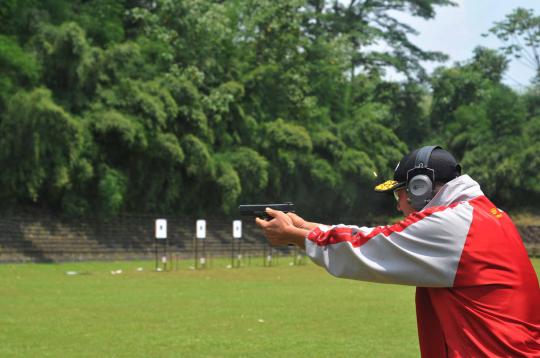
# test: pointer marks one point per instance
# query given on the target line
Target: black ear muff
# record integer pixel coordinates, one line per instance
(421, 179)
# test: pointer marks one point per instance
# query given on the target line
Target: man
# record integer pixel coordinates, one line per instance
(477, 293)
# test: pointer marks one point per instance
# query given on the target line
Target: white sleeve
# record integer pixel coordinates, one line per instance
(422, 250)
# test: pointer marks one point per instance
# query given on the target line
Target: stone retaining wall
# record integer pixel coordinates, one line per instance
(49, 239)
(531, 239)
(43, 238)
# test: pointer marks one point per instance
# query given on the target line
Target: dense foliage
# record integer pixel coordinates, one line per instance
(191, 107)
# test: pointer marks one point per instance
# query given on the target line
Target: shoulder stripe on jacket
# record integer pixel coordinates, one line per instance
(357, 238)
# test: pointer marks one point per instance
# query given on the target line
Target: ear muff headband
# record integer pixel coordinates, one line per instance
(423, 155)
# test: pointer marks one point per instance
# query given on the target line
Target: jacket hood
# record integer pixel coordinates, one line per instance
(462, 188)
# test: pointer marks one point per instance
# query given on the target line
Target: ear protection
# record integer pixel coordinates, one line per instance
(421, 179)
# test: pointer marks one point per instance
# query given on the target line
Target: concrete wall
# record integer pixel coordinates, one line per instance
(44, 238)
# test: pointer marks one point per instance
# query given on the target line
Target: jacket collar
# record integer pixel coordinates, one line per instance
(462, 188)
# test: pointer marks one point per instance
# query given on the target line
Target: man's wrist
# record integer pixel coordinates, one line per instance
(297, 235)
(310, 226)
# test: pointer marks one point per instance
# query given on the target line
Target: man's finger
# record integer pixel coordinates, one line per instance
(271, 212)
(293, 216)
(261, 223)
(274, 213)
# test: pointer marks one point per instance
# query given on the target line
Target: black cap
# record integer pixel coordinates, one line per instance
(443, 163)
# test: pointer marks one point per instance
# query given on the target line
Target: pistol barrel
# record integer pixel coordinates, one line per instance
(259, 210)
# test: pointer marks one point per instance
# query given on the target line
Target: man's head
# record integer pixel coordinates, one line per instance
(419, 175)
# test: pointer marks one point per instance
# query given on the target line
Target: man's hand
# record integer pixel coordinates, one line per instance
(301, 223)
(281, 229)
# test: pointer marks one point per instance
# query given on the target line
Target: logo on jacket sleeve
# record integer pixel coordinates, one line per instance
(496, 212)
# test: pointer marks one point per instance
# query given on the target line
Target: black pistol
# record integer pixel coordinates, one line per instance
(258, 210)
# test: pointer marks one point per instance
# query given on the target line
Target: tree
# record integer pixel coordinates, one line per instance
(481, 121)
(370, 22)
(40, 145)
(490, 64)
(520, 31)
(191, 107)
(19, 68)
(69, 63)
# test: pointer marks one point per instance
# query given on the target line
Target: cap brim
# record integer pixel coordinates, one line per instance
(389, 185)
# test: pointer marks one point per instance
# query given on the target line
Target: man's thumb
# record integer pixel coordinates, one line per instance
(271, 212)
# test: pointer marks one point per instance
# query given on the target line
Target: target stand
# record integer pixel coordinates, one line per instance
(200, 256)
(236, 245)
(298, 257)
(268, 256)
(161, 244)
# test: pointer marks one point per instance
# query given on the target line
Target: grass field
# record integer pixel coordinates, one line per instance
(218, 312)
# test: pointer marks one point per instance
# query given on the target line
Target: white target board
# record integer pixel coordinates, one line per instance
(161, 229)
(201, 229)
(237, 229)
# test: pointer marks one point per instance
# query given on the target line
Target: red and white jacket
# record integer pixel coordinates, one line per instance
(477, 293)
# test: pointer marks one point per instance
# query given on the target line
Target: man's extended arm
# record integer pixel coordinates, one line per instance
(422, 250)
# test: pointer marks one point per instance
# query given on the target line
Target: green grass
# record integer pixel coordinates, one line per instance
(218, 312)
